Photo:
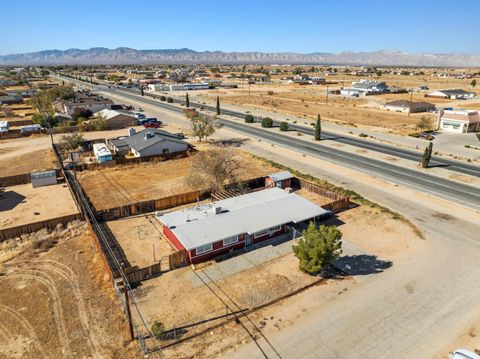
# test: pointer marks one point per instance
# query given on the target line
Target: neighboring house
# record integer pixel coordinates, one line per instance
(460, 121)
(61, 117)
(349, 91)
(101, 152)
(116, 118)
(83, 101)
(370, 86)
(148, 142)
(452, 94)
(207, 231)
(408, 106)
(280, 179)
(10, 99)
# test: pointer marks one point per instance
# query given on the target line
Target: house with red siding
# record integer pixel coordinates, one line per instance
(209, 230)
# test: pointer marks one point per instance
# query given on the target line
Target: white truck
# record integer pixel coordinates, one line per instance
(31, 128)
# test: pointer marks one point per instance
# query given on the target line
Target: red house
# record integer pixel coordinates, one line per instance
(280, 179)
(209, 230)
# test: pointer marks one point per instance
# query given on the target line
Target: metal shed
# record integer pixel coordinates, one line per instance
(44, 178)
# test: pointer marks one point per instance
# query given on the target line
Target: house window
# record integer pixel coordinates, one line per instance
(165, 150)
(274, 229)
(260, 233)
(203, 249)
(230, 240)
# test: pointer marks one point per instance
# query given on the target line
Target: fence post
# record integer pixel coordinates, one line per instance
(127, 305)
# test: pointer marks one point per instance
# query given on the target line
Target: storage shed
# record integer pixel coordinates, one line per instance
(44, 178)
(280, 179)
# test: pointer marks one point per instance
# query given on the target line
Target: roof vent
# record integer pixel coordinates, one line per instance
(216, 209)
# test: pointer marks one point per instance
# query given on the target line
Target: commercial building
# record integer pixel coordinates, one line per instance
(148, 142)
(207, 231)
(459, 121)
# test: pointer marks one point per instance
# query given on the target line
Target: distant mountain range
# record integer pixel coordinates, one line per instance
(128, 56)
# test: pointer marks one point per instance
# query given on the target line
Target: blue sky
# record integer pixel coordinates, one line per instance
(271, 26)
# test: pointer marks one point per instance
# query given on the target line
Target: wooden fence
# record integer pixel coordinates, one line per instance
(22, 179)
(134, 160)
(151, 205)
(178, 259)
(36, 226)
(339, 202)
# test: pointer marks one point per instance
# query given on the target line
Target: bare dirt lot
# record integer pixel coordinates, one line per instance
(141, 240)
(121, 185)
(12, 163)
(57, 303)
(24, 204)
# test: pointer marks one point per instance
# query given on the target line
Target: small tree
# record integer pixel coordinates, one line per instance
(267, 122)
(213, 169)
(158, 329)
(473, 83)
(249, 119)
(142, 91)
(218, 105)
(169, 100)
(284, 126)
(318, 129)
(424, 123)
(163, 98)
(318, 248)
(427, 155)
(187, 101)
(72, 142)
(203, 126)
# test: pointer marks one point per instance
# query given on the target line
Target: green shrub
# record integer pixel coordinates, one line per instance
(363, 135)
(158, 329)
(249, 119)
(267, 122)
(284, 126)
(414, 134)
(169, 100)
(163, 98)
(270, 93)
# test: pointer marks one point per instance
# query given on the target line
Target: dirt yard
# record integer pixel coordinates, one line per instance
(57, 303)
(12, 163)
(142, 240)
(214, 285)
(24, 204)
(121, 185)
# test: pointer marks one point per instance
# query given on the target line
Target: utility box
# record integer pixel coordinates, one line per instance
(44, 178)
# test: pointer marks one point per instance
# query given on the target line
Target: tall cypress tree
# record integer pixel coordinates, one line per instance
(218, 105)
(318, 129)
(187, 101)
(141, 90)
(427, 155)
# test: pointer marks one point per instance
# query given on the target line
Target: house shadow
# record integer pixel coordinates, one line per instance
(9, 200)
(363, 264)
(233, 142)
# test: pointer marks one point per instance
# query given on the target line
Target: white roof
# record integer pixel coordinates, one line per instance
(248, 213)
(280, 176)
(108, 114)
(101, 149)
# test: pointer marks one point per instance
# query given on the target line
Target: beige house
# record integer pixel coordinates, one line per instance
(407, 106)
(117, 119)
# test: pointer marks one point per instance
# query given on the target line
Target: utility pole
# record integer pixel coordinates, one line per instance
(410, 104)
(127, 305)
(326, 98)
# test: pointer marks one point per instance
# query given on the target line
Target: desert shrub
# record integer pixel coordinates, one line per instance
(270, 93)
(158, 329)
(414, 134)
(267, 122)
(363, 135)
(284, 126)
(163, 98)
(169, 100)
(249, 119)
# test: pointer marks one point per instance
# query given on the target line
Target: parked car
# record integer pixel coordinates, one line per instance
(139, 116)
(4, 127)
(426, 136)
(464, 354)
(152, 119)
(151, 125)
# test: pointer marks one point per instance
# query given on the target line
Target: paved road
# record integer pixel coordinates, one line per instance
(466, 195)
(453, 165)
(458, 166)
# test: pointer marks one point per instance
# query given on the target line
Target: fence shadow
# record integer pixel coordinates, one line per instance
(362, 264)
